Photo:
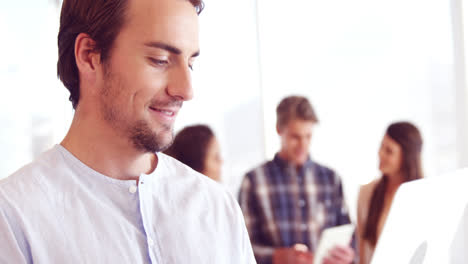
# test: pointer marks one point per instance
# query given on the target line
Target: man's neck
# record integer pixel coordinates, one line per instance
(284, 156)
(98, 146)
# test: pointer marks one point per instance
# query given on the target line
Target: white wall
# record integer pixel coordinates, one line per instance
(460, 29)
(34, 108)
(227, 86)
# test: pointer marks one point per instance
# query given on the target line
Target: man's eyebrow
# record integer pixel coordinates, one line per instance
(169, 48)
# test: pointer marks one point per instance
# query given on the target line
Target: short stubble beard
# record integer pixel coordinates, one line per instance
(138, 132)
(144, 139)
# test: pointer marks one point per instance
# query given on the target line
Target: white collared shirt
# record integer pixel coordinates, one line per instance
(58, 210)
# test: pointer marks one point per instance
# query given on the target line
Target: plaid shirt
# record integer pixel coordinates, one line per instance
(283, 205)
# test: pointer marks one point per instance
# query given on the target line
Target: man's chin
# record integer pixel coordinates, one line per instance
(165, 146)
(166, 140)
(148, 140)
(299, 161)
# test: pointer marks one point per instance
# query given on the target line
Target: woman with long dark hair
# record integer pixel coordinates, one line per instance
(400, 162)
(197, 147)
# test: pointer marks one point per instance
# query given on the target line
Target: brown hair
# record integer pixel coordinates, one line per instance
(190, 146)
(409, 138)
(294, 107)
(102, 20)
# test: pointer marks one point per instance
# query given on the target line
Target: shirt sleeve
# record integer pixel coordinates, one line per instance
(251, 210)
(343, 214)
(11, 246)
(361, 203)
(246, 244)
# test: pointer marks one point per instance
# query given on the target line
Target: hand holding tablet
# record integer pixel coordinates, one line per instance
(331, 237)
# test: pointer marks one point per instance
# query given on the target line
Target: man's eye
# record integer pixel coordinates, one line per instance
(191, 67)
(158, 62)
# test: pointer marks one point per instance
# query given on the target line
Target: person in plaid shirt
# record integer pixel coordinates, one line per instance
(287, 202)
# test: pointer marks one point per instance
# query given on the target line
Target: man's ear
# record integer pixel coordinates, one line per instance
(87, 59)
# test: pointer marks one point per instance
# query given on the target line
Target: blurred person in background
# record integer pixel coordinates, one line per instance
(197, 147)
(400, 162)
(287, 202)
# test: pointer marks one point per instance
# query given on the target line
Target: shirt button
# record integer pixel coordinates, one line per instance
(303, 227)
(301, 203)
(132, 189)
(150, 242)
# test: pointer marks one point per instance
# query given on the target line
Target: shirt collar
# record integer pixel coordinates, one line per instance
(284, 163)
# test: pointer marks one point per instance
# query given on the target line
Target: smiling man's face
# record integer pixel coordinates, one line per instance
(148, 74)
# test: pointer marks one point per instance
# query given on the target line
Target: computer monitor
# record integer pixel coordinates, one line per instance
(427, 223)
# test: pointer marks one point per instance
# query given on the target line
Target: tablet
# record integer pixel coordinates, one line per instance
(333, 236)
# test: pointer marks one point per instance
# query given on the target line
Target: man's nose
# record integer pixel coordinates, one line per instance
(180, 83)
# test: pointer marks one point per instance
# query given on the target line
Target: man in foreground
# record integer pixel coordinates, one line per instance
(106, 194)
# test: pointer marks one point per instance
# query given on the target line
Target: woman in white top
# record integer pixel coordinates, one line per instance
(400, 161)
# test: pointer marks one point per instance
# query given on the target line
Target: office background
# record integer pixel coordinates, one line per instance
(363, 64)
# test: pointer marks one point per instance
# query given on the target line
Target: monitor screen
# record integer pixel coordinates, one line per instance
(425, 222)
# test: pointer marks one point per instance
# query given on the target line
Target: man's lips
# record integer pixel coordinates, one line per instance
(170, 112)
(165, 111)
